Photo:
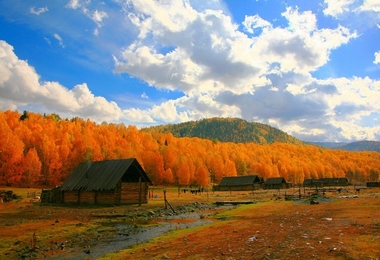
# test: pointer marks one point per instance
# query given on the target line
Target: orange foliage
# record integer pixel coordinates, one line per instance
(36, 149)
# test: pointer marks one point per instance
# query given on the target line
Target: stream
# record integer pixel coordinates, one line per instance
(129, 235)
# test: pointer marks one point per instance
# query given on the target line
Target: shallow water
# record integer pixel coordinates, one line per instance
(129, 235)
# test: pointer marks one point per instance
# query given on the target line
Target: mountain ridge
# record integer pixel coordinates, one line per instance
(358, 146)
(234, 130)
(238, 130)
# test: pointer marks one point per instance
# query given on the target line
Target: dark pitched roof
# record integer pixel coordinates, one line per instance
(334, 180)
(276, 180)
(239, 180)
(104, 175)
(311, 181)
(325, 181)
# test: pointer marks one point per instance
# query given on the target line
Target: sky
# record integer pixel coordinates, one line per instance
(309, 68)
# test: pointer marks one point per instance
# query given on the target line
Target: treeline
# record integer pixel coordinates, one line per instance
(44, 149)
(234, 130)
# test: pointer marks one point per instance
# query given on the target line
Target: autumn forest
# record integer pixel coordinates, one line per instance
(43, 150)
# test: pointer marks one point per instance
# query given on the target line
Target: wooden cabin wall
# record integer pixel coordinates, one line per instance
(130, 193)
(107, 197)
(87, 197)
(237, 188)
(46, 196)
(70, 197)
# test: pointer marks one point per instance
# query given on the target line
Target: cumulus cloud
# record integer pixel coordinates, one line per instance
(255, 70)
(370, 5)
(224, 72)
(210, 54)
(183, 109)
(337, 7)
(20, 86)
(251, 23)
(366, 13)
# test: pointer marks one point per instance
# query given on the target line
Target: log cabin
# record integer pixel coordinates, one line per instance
(111, 182)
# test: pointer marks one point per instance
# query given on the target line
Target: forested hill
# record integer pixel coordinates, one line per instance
(228, 130)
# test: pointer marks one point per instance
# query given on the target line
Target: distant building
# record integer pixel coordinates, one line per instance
(239, 183)
(325, 182)
(312, 183)
(276, 183)
(373, 184)
(107, 182)
(334, 182)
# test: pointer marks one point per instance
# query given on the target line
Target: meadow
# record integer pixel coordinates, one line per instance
(342, 225)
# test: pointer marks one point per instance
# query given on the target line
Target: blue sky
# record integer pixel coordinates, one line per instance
(310, 68)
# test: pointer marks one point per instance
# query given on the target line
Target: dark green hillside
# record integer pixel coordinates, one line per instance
(228, 130)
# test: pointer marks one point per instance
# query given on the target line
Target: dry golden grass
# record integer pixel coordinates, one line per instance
(337, 228)
(343, 228)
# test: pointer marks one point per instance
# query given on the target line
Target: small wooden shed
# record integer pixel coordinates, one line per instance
(239, 183)
(276, 183)
(107, 182)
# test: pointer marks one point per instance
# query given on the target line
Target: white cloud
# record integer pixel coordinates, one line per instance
(251, 23)
(173, 15)
(138, 117)
(210, 54)
(20, 86)
(181, 110)
(38, 11)
(59, 39)
(223, 72)
(366, 13)
(74, 4)
(96, 15)
(377, 57)
(256, 70)
(370, 5)
(337, 7)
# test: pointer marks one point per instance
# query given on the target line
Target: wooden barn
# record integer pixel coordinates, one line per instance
(328, 182)
(312, 183)
(107, 182)
(276, 183)
(239, 183)
(325, 182)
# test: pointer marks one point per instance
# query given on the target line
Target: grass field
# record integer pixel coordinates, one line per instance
(341, 226)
